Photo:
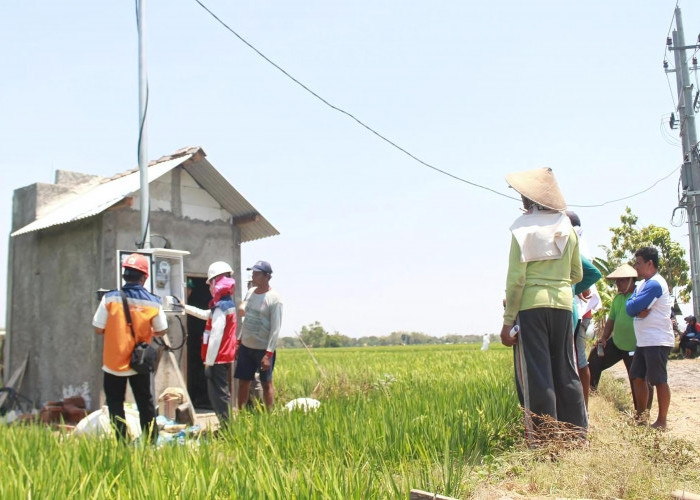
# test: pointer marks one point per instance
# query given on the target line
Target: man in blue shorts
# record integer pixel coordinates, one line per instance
(262, 320)
(650, 305)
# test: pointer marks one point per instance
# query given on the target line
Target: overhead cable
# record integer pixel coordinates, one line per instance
(390, 142)
(630, 196)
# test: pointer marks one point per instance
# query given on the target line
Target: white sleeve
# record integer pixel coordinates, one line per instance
(99, 320)
(197, 312)
(160, 321)
(247, 296)
(218, 323)
(275, 325)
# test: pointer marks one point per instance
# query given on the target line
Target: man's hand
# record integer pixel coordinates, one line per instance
(644, 313)
(506, 339)
(266, 362)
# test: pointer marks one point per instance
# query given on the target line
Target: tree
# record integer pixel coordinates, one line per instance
(338, 340)
(288, 342)
(313, 335)
(628, 238)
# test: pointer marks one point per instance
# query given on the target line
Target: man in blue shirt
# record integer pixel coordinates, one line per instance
(650, 306)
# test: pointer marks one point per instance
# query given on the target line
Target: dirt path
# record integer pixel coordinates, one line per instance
(684, 413)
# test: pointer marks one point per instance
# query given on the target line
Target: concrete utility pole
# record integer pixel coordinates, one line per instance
(143, 142)
(690, 173)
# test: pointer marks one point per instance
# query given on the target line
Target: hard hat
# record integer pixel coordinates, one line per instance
(138, 262)
(218, 268)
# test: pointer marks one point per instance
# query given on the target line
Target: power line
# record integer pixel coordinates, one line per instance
(393, 144)
(670, 27)
(670, 89)
(350, 115)
(666, 135)
(632, 195)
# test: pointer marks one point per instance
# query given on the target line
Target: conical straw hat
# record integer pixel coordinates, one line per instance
(540, 186)
(624, 271)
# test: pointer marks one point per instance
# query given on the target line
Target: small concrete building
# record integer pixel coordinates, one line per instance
(64, 248)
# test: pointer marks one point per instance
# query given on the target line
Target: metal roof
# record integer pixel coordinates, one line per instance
(252, 225)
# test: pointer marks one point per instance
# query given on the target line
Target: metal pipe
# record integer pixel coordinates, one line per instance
(143, 136)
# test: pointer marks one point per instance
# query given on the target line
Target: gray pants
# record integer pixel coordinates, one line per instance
(219, 389)
(545, 368)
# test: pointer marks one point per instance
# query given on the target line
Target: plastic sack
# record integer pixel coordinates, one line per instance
(97, 424)
(304, 404)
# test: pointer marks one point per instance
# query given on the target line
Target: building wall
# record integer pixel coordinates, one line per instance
(55, 274)
(52, 300)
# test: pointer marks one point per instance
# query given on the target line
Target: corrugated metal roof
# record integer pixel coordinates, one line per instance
(253, 226)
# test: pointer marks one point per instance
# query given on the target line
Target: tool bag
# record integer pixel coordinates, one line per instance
(144, 355)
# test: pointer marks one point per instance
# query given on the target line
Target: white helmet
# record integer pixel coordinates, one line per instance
(218, 268)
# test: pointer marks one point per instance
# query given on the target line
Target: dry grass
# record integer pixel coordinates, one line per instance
(621, 460)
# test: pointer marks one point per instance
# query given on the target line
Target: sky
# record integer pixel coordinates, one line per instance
(372, 241)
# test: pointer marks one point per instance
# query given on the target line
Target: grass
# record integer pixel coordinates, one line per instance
(437, 418)
(391, 419)
(622, 459)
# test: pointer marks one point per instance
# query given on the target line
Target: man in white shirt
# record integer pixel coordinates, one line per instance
(262, 320)
(650, 306)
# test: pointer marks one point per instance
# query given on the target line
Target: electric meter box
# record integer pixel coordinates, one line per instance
(166, 277)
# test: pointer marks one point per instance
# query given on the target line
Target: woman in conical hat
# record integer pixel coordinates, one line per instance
(544, 263)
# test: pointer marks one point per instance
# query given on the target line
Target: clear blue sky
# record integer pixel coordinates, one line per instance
(371, 241)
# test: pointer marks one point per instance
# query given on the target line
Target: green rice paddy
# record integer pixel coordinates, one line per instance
(391, 419)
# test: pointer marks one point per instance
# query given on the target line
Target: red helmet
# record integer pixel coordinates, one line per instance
(138, 262)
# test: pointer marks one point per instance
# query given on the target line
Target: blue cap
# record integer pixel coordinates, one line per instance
(261, 266)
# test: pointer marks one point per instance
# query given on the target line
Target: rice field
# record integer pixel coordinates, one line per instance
(391, 419)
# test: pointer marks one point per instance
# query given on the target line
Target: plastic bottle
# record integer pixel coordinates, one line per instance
(600, 350)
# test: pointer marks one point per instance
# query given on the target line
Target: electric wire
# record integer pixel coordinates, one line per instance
(668, 138)
(670, 89)
(396, 146)
(670, 27)
(666, 54)
(630, 196)
(350, 115)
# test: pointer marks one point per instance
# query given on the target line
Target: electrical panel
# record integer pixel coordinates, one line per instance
(166, 277)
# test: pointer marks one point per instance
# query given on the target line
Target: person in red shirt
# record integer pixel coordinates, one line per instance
(219, 343)
(690, 338)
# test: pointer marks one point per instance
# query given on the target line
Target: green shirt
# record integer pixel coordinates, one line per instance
(623, 328)
(541, 283)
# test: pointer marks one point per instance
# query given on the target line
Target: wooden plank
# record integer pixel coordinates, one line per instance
(424, 495)
(168, 374)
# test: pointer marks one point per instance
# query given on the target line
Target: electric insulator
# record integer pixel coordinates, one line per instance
(669, 42)
(695, 61)
(665, 64)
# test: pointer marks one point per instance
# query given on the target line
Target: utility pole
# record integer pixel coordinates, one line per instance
(145, 204)
(690, 173)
